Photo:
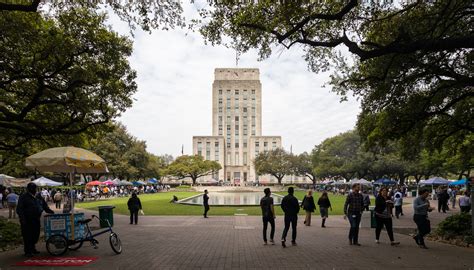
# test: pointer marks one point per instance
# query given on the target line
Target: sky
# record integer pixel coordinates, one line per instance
(175, 72)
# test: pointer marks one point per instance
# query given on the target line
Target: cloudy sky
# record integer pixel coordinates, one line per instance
(173, 103)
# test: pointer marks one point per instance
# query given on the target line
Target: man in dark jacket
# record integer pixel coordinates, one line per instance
(205, 200)
(29, 211)
(353, 208)
(291, 207)
(134, 204)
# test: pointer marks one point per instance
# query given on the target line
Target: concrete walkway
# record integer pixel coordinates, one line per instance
(235, 242)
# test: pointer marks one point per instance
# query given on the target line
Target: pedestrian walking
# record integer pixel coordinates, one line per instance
(58, 197)
(291, 208)
(465, 202)
(29, 212)
(383, 217)
(398, 202)
(205, 203)
(134, 205)
(421, 207)
(353, 208)
(324, 205)
(308, 205)
(268, 215)
(12, 201)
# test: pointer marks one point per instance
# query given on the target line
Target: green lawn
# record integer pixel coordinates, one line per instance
(158, 204)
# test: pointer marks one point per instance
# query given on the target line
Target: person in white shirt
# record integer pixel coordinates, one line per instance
(465, 202)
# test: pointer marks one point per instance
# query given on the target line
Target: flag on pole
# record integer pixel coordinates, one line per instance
(291, 149)
(182, 149)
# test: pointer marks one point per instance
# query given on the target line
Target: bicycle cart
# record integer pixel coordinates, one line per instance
(62, 235)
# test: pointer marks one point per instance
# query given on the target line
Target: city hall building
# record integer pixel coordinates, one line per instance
(236, 127)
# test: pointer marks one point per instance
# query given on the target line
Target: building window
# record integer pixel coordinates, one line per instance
(236, 162)
(220, 101)
(236, 119)
(253, 109)
(228, 159)
(228, 92)
(236, 145)
(199, 153)
(236, 91)
(228, 144)
(220, 109)
(208, 144)
(256, 152)
(245, 143)
(265, 144)
(257, 144)
(253, 92)
(208, 155)
(245, 159)
(274, 145)
(220, 91)
(253, 120)
(228, 127)
(216, 156)
(199, 145)
(216, 145)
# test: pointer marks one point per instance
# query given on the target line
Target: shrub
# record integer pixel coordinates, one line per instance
(183, 187)
(10, 234)
(455, 225)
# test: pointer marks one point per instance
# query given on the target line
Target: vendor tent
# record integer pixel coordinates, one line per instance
(385, 181)
(435, 181)
(15, 182)
(139, 183)
(94, 183)
(361, 181)
(152, 181)
(125, 183)
(45, 182)
(459, 182)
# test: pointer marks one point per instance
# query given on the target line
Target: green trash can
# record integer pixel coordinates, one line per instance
(413, 193)
(373, 222)
(106, 213)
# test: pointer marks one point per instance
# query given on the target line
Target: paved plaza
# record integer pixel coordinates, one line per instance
(235, 242)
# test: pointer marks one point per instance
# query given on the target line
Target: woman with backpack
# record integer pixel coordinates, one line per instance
(309, 206)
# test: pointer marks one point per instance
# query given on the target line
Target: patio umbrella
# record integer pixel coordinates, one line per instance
(117, 182)
(45, 182)
(108, 183)
(139, 183)
(94, 183)
(66, 160)
(435, 181)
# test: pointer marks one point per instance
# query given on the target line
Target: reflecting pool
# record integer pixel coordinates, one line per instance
(231, 198)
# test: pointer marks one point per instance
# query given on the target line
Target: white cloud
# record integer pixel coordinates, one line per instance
(173, 102)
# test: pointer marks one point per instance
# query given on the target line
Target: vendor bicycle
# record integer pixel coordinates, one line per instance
(58, 244)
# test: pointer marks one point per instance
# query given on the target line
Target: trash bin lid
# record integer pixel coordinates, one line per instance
(106, 207)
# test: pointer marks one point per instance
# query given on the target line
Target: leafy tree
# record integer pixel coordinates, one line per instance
(126, 156)
(277, 163)
(60, 78)
(192, 167)
(303, 165)
(146, 14)
(410, 61)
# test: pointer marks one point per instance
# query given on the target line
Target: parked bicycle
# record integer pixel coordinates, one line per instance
(58, 244)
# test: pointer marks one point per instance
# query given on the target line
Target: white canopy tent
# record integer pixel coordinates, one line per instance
(45, 182)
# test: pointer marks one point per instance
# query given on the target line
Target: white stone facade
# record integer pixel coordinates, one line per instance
(236, 127)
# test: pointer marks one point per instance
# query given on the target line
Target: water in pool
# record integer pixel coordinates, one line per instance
(232, 198)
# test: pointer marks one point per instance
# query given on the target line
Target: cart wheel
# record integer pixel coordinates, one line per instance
(75, 245)
(56, 245)
(115, 243)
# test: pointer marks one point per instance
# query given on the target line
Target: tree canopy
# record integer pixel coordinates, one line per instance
(148, 15)
(60, 77)
(409, 61)
(277, 163)
(193, 167)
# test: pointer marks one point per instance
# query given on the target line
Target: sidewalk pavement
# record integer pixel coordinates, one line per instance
(235, 242)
